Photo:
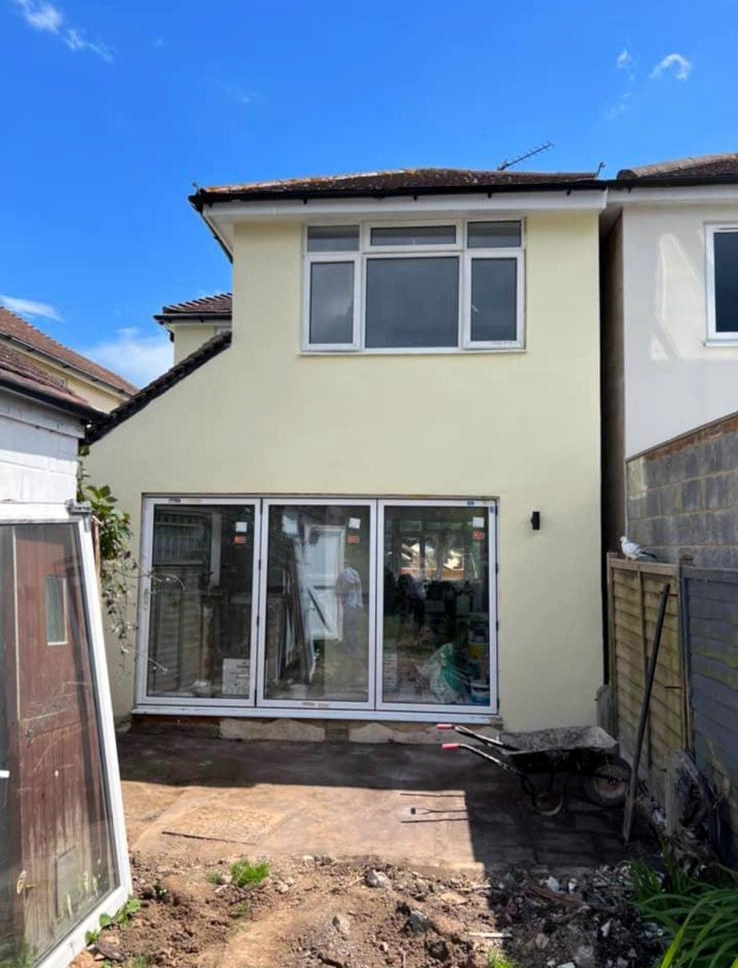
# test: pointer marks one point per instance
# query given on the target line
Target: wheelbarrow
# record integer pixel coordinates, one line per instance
(539, 757)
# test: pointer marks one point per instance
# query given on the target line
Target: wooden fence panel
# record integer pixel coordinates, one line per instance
(711, 620)
(634, 590)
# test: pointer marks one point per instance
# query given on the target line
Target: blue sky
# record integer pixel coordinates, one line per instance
(111, 110)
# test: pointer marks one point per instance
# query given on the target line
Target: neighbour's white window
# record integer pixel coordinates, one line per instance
(722, 283)
(408, 288)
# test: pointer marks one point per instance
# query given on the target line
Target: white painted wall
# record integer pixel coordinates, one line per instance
(673, 380)
(38, 452)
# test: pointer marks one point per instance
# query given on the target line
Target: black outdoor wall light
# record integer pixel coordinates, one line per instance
(535, 520)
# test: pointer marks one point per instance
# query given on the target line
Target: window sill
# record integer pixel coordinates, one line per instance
(730, 341)
(440, 351)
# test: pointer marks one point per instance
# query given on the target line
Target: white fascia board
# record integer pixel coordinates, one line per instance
(222, 216)
(689, 195)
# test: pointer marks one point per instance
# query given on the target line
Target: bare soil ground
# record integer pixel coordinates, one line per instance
(313, 912)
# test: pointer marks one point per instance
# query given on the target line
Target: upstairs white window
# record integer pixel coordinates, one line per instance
(722, 283)
(440, 287)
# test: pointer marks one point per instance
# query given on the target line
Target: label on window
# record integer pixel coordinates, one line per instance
(354, 523)
(478, 522)
(239, 539)
(477, 535)
(242, 527)
(236, 677)
(353, 539)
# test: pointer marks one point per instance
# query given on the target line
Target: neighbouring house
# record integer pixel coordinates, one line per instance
(101, 388)
(63, 859)
(374, 498)
(670, 314)
(192, 323)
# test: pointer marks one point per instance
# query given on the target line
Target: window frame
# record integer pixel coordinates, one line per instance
(459, 248)
(715, 338)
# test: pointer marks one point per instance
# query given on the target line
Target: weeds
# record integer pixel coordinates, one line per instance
(240, 910)
(246, 874)
(121, 919)
(495, 959)
(215, 877)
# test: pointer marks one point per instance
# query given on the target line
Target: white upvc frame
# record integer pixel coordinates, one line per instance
(361, 256)
(714, 337)
(143, 699)
(317, 705)
(439, 710)
(22, 514)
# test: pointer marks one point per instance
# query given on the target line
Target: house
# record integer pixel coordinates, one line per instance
(670, 321)
(375, 498)
(63, 859)
(101, 388)
(192, 323)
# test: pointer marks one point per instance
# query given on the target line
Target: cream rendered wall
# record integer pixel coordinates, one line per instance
(189, 337)
(261, 418)
(673, 382)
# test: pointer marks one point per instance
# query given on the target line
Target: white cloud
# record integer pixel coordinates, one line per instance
(236, 93)
(620, 108)
(681, 66)
(134, 355)
(30, 307)
(44, 16)
(624, 62)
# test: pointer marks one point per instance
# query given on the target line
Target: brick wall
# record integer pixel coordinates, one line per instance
(682, 496)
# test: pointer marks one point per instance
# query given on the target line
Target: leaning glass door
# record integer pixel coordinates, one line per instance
(436, 613)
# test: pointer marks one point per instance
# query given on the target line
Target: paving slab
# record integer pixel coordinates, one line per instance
(215, 799)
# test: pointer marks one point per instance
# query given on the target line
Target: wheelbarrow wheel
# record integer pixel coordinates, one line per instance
(608, 786)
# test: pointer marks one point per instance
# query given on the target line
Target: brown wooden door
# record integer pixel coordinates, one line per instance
(65, 849)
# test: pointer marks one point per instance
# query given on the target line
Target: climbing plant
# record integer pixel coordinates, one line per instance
(116, 564)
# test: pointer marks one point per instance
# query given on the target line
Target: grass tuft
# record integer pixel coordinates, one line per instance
(246, 874)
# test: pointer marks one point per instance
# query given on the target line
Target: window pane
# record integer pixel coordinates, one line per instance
(333, 238)
(318, 603)
(415, 235)
(201, 586)
(726, 282)
(56, 610)
(435, 619)
(493, 235)
(331, 302)
(412, 302)
(493, 300)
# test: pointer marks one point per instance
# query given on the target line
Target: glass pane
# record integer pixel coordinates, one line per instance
(333, 238)
(57, 860)
(726, 282)
(493, 235)
(494, 300)
(318, 599)
(200, 610)
(436, 606)
(415, 235)
(412, 302)
(331, 302)
(56, 610)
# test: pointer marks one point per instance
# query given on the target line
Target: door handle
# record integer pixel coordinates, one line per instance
(4, 777)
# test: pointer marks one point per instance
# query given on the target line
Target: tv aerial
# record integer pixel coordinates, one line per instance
(539, 149)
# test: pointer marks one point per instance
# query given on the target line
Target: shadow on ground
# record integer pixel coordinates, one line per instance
(213, 798)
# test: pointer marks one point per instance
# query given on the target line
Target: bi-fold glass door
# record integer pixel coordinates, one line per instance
(319, 603)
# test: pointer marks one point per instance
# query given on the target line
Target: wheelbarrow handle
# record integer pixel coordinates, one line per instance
(450, 746)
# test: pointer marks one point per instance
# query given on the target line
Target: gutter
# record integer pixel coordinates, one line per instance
(205, 196)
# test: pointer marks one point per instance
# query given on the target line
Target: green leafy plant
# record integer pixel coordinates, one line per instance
(215, 877)
(161, 893)
(697, 910)
(246, 874)
(240, 910)
(140, 961)
(131, 907)
(117, 566)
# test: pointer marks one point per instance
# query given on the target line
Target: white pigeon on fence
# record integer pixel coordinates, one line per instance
(634, 551)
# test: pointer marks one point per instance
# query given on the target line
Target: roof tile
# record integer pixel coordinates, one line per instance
(701, 166)
(15, 329)
(218, 304)
(19, 373)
